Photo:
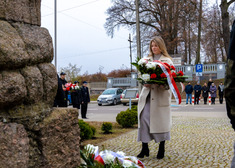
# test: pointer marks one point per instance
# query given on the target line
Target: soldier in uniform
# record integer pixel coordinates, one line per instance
(65, 93)
(85, 99)
(230, 83)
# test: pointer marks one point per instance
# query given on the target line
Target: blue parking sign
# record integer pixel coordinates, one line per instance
(199, 67)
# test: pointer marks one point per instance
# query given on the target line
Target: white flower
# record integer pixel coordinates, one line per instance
(151, 65)
(121, 153)
(76, 87)
(93, 149)
(108, 158)
(143, 61)
(145, 77)
(134, 159)
(127, 163)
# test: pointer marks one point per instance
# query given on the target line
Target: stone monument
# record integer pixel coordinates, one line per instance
(32, 133)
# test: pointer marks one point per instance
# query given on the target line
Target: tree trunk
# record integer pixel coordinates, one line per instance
(225, 22)
(189, 43)
(199, 34)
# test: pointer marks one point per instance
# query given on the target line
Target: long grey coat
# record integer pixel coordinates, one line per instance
(160, 113)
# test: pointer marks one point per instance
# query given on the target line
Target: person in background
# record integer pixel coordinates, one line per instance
(229, 88)
(59, 98)
(213, 90)
(221, 92)
(76, 95)
(85, 99)
(197, 91)
(209, 83)
(205, 91)
(189, 91)
(65, 93)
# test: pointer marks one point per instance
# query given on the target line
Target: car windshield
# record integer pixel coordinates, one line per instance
(108, 92)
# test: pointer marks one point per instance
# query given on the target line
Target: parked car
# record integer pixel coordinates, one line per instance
(110, 96)
(133, 100)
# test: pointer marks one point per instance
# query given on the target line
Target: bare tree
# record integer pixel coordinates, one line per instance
(72, 71)
(225, 21)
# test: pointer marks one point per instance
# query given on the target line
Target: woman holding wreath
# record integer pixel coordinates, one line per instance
(154, 114)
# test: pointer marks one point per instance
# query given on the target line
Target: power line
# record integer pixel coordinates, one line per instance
(71, 7)
(81, 20)
(95, 52)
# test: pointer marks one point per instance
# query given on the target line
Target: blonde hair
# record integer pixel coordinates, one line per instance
(161, 44)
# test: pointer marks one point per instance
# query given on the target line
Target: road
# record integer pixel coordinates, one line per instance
(109, 112)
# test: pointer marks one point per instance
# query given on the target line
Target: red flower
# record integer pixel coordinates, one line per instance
(68, 88)
(153, 76)
(174, 74)
(180, 73)
(172, 67)
(163, 75)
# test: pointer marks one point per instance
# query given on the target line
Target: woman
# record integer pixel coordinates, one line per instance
(154, 115)
(213, 90)
(76, 96)
(205, 91)
(221, 92)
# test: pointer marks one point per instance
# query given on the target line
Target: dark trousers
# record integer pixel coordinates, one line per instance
(84, 110)
(205, 100)
(221, 98)
(213, 100)
(196, 99)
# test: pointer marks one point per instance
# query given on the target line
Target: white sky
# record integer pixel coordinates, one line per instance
(81, 37)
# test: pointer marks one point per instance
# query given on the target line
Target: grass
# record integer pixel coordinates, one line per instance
(94, 97)
(100, 136)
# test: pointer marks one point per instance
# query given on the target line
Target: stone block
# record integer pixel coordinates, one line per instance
(27, 11)
(12, 48)
(50, 82)
(14, 146)
(38, 42)
(34, 84)
(12, 89)
(60, 138)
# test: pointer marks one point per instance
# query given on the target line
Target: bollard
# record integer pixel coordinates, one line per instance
(193, 100)
(209, 99)
(199, 99)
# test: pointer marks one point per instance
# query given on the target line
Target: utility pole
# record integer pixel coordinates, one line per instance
(130, 50)
(138, 29)
(198, 59)
(55, 35)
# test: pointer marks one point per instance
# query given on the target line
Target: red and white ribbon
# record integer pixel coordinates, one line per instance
(170, 80)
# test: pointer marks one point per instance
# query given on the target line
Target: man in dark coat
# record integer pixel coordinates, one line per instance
(230, 83)
(209, 83)
(76, 95)
(213, 90)
(221, 92)
(63, 81)
(197, 91)
(59, 99)
(205, 91)
(189, 91)
(85, 99)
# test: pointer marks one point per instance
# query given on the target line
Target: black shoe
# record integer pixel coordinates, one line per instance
(161, 150)
(144, 151)
(85, 118)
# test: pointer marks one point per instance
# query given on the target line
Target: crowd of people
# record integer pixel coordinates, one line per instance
(204, 91)
(80, 96)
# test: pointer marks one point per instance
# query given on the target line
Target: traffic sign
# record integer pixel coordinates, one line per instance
(198, 73)
(199, 67)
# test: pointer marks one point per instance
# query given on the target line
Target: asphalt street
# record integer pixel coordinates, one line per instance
(109, 112)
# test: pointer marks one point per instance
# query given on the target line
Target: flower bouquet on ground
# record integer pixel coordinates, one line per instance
(107, 159)
(161, 73)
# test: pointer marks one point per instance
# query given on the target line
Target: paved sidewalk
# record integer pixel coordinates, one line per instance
(195, 143)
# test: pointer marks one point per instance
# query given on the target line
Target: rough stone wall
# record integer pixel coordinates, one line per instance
(32, 134)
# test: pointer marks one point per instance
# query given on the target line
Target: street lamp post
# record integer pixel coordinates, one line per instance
(55, 35)
(130, 50)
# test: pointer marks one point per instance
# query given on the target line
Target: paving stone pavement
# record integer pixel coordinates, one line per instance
(195, 143)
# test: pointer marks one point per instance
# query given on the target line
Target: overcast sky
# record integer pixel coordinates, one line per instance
(81, 37)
